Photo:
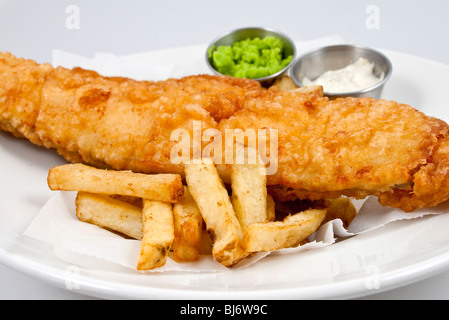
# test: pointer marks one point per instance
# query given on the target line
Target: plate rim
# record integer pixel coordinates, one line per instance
(350, 289)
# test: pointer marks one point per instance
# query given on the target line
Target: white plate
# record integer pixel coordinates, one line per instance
(395, 255)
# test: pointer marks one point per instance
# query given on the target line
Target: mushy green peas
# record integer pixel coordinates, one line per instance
(251, 58)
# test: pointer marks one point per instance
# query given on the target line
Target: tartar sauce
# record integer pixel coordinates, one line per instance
(354, 77)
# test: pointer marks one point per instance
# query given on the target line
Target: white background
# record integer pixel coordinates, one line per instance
(32, 29)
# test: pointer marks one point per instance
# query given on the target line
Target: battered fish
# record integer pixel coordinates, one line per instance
(326, 148)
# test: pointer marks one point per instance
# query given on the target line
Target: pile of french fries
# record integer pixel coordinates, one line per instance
(183, 221)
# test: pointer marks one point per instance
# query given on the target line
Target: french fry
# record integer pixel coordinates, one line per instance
(188, 227)
(109, 213)
(271, 208)
(268, 236)
(284, 83)
(206, 244)
(79, 177)
(249, 193)
(341, 208)
(158, 234)
(135, 201)
(312, 90)
(215, 206)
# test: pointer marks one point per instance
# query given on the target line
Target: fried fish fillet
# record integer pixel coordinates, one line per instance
(352, 146)
(111, 121)
(326, 148)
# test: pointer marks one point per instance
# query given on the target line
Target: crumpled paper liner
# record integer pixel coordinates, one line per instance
(162, 64)
(56, 223)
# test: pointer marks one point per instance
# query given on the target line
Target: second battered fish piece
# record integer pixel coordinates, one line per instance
(353, 146)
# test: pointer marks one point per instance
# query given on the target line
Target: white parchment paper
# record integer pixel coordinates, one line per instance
(57, 224)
